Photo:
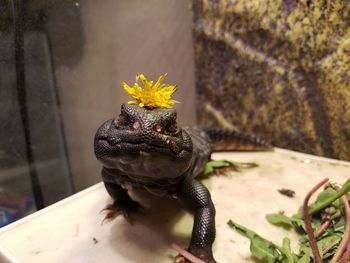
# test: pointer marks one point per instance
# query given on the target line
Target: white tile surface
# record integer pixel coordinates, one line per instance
(65, 231)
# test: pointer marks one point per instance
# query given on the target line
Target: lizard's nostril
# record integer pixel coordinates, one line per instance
(121, 120)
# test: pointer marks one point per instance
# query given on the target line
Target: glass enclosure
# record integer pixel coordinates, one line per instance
(61, 68)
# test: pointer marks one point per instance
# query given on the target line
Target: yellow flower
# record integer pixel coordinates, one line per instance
(151, 96)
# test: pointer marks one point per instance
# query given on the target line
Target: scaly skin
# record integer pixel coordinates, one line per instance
(145, 148)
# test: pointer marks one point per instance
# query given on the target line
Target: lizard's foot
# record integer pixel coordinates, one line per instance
(182, 259)
(121, 208)
(202, 254)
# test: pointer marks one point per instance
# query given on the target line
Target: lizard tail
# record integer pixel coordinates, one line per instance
(231, 140)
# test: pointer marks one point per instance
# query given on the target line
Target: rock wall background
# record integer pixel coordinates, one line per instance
(278, 68)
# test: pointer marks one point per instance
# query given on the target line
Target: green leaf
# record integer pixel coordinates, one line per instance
(211, 165)
(218, 164)
(287, 251)
(325, 194)
(306, 258)
(339, 226)
(264, 249)
(298, 223)
(326, 201)
(328, 244)
(208, 169)
(285, 221)
(279, 220)
(260, 247)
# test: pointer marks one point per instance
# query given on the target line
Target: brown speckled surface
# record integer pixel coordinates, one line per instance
(277, 68)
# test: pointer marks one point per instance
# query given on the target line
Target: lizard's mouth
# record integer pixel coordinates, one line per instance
(112, 141)
(142, 161)
(117, 146)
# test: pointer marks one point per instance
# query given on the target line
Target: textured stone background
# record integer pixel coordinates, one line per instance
(279, 68)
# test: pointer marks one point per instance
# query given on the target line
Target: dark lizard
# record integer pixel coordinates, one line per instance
(145, 148)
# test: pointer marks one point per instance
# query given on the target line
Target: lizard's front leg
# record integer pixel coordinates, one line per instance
(122, 203)
(195, 196)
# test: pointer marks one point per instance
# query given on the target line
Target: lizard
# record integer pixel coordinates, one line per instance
(146, 148)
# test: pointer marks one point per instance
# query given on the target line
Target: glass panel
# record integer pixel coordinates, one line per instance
(62, 63)
(34, 168)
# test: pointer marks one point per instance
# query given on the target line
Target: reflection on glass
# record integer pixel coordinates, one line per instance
(34, 168)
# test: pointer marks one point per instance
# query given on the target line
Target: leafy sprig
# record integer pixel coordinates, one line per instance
(222, 165)
(330, 221)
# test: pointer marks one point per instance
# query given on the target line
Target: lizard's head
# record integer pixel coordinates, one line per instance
(143, 142)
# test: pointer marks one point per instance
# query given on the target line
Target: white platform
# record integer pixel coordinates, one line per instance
(71, 230)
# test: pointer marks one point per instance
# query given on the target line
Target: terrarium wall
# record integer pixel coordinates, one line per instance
(280, 69)
(119, 40)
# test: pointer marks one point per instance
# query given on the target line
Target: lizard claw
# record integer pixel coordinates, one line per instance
(118, 208)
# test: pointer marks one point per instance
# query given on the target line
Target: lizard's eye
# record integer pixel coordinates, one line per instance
(158, 128)
(171, 127)
(136, 125)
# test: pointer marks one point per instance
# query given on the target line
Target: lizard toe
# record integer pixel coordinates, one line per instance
(117, 208)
